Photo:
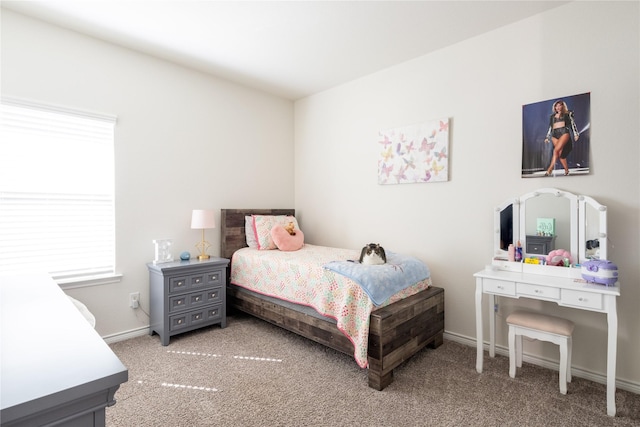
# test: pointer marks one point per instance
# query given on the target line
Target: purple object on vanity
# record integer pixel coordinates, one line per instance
(599, 271)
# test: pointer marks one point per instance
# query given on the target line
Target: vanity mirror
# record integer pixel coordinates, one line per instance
(552, 205)
(549, 219)
(504, 226)
(592, 221)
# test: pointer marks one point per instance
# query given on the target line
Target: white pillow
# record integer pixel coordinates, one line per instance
(250, 232)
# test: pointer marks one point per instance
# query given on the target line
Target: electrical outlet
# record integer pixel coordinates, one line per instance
(134, 299)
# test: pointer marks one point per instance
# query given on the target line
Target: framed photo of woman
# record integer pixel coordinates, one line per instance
(556, 137)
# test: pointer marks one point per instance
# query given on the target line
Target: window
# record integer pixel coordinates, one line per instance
(56, 191)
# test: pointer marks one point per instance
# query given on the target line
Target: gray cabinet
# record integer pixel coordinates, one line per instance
(187, 295)
(540, 245)
(56, 369)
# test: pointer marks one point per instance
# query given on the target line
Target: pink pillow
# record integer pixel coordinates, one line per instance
(285, 241)
(262, 225)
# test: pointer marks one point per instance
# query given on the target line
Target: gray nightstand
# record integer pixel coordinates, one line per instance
(540, 245)
(187, 295)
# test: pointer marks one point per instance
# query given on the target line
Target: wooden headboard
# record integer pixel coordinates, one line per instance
(232, 232)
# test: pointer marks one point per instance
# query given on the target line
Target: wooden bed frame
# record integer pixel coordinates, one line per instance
(396, 332)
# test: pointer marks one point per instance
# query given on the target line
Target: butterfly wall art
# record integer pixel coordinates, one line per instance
(417, 153)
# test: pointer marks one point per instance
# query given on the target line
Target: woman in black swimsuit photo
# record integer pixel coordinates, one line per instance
(560, 121)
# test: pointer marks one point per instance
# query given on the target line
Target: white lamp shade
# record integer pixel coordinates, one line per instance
(202, 218)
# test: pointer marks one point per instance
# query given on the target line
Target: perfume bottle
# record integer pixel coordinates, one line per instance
(518, 254)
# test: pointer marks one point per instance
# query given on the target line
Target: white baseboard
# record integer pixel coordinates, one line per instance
(547, 363)
(121, 336)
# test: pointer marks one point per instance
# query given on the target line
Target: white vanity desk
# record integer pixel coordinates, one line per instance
(580, 222)
(562, 290)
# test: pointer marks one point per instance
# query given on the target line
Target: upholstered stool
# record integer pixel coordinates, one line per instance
(544, 328)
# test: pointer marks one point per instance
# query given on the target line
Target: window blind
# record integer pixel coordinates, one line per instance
(56, 191)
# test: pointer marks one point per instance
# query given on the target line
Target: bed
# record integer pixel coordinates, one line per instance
(397, 331)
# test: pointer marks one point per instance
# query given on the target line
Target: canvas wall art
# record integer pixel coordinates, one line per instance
(414, 154)
(556, 135)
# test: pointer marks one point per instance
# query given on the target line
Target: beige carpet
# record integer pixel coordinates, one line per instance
(255, 374)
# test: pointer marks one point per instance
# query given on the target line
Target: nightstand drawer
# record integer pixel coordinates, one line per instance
(537, 291)
(178, 284)
(211, 314)
(192, 300)
(195, 281)
(178, 322)
(186, 283)
(499, 287)
(582, 299)
(186, 320)
(536, 249)
(214, 295)
(214, 278)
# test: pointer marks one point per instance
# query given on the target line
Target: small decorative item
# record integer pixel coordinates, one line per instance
(546, 226)
(163, 251)
(559, 258)
(185, 256)
(518, 254)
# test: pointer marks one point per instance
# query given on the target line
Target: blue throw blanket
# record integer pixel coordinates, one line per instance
(380, 282)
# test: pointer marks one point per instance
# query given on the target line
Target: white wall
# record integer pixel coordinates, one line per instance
(481, 84)
(184, 141)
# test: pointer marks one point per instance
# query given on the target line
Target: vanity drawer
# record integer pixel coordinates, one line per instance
(582, 299)
(537, 291)
(499, 287)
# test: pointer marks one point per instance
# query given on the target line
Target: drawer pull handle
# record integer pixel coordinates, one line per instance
(197, 298)
(179, 302)
(213, 277)
(538, 291)
(197, 280)
(179, 321)
(501, 288)
(581, 299)
(197, 317)
(179, 283)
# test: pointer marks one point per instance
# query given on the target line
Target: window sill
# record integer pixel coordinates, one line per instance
(84, 282)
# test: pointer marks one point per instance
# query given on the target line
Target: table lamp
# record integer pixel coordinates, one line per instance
(202, 219)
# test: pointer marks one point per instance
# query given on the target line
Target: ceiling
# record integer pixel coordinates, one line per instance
(291, 49)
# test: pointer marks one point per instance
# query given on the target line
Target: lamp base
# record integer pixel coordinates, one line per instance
(201, 257)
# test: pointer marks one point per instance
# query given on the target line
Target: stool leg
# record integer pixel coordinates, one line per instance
(519, 351)
(512, 351)
(570, 344)
(563, 366)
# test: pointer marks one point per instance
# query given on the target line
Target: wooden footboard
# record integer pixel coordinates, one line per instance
(400, 330)
(396, 332)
